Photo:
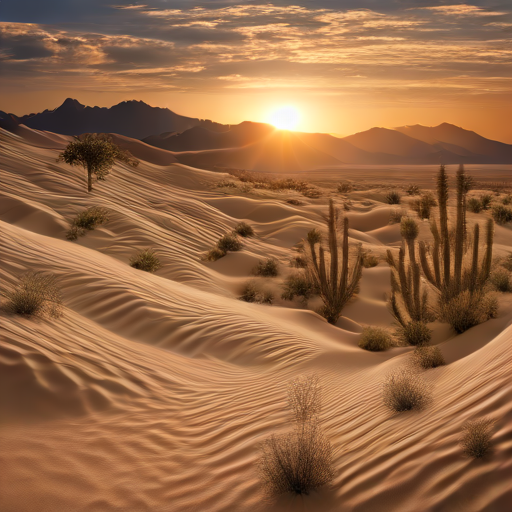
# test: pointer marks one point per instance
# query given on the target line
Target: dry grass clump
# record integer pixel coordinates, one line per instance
(395, 217)
(36, 294)
(214, 254)
(423, 206)
(229, 242)
(507, 263)
(299, 285)
(87, 221)
(375, 339)
(412, 190)
(299, 261)
(393, 197)
(370, 260)
(475, 440)
(500, 280)
(405, 390)
(507, 200)
(305, 397)
(414, 333)
(427, 357)
(146, 260)
(345, 187)
(243, 229)
(252, 293)
(267, 268)
(501, 214)
(466, 310)
(226, 184)
(474, 205)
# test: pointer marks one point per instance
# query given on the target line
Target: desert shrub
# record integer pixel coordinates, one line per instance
(87, 221)
(370, 260)
(414, 333)
(298, 285)
(267, 268)
(393, 197)
(404, 390)
(413, 190)
(474, 205)
(466, 310)
(507, 200)
(36, 294)
(475, 440)
(395, 217)
(507, 263)
(252, 293)
(427, 357)
(146, 260)
(305, 398)
(299, 261)
(243, 229)
(245, 188)
(423, 206)
(375, 339)
(501, 214)
(485, 201)
(226, 184)
(214, 254)
(297, 462)
(500, 280)
(345, 187)
(229, 242)
(294, 202)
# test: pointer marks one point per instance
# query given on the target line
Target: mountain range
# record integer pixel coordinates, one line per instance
(258, 146)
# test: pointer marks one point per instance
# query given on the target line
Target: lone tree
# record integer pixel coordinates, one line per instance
(96, 153)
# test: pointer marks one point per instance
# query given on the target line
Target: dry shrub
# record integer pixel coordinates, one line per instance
(501, 214)
(345, 187)
(507, 263)
(395, 217)
(243, 229)
(305, 397)
(393, 197)
(466, 309)
(146, 260)
(507, 200)
(405, 390)
(252, 293)
(423, 206)
(427, 357)
(474, 205)
(299, 261)
(298, 285)
(226, 184)
(369, 260)
(214, 254)
(87, 221)
(414, 333)
(500, 280)
(229, 242)
(413, 190)
(294, 202)
(475, 440)
(485, 201)
(36, 294)
(267, 268)
(375, 339)
(297, 462)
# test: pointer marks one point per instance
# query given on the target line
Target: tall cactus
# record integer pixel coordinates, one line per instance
(336, 283)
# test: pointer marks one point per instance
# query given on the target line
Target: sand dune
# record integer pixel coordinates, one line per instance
(153, 391)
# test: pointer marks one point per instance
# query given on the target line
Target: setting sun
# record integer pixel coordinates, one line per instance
(285, 118)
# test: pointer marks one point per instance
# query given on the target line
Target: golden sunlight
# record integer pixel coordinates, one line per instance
(285, 118)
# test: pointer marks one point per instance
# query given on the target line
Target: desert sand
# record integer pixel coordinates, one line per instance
(153, 391)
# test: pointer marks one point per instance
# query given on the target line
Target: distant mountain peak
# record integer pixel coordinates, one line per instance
(70, 103)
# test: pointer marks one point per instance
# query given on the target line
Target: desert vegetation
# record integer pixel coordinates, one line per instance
(375, 339)
(36, 294)
(96, 153)
(475, 440)
(395, 216)
(299, 285)
(243, 229)
(252, 292)
(345, 187)
(146, 260)
(393, 197)
(426, 357)
(412, 190)
(404, 390)
(423, 206)
(369, 260)
(87, 220)
(267, 268)
(501, 214)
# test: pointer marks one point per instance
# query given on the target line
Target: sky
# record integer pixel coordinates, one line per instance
(345, 65)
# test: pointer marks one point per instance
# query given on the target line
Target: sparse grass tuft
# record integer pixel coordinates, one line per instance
(414, 333)
(423, 206)
(474, 205)
(305, 397)
(145, 260)
(395, 217)
(267, 268)
(501, 214)
(393, 197)
(500, 280)
(427, 357)
(229, 242)
(375, 339)
(252, 293)
(243, 229)
(87, 221)
(345, 187)
(214, 254)
(485, 201)
(413, 190)
(298, 285)
(36, 294)
(475, 440)
(405, 390)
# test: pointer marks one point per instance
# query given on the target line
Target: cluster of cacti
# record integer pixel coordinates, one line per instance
(336, 284)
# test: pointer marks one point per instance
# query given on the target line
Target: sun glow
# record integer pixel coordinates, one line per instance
(285, 118)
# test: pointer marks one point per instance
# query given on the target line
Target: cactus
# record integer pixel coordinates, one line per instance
(336, 284)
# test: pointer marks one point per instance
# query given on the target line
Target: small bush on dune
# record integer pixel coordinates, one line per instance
(405, 390)
(229, 242)
(427, 357)
(36, 294)
(252, 293)
(267, 268)
(304, 397)
(369, 260)
(294, 202)
(299, 261)
(345, 187)
(375, 339)
(145, 260)
(507, 200)
(214, 254)
(393, 197)
(501, 214)
(485, 201)
(226, 184)
(414, 333)
(500, 280)
(507, 263)
(475, 440)
(413, 190)
(474, 205)
(243, 229)
(298, 285)
(87, 221)
(423, 206)
(395, 217)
